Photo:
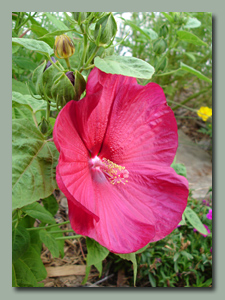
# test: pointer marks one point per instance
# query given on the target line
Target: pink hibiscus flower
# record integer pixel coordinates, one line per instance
(116, 146)
(209, 215)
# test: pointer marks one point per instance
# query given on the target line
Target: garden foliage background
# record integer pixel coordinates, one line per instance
(179, 47)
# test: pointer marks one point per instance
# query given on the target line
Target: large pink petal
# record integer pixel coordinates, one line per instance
(142, 127)
(92, 112)
(121, 228)
(146, 209)
(163, 191)
(73, 158)
(81, 219)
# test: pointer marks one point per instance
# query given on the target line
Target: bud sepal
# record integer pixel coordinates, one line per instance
(67, 86)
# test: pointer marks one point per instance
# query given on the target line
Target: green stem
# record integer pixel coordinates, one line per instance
(50, 226)
(190, 98)
(85, 47)
(22, 24)
(90, 67)
(48, 111)
(168, 73)
(69, 237)
(52, 104)
(90, 58)
(62, 231)
(68, 63)
(184, 106)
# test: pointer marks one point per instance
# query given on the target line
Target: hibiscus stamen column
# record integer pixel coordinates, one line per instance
(114, 173)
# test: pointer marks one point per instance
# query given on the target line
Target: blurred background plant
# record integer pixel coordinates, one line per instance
(179, 46)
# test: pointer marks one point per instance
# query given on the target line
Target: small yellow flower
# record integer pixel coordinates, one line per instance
(64, 47)
(204, 112)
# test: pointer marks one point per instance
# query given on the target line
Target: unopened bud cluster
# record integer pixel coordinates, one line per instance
(56, 85)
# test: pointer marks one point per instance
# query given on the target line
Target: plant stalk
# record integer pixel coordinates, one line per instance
(50, 226)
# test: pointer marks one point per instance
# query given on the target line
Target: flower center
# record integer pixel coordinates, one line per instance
(115, 173)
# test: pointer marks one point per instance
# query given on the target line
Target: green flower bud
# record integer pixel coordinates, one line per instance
(81, 15)
(159, 46)
(105, 30)
(79, 85)
(48, 79)
(162, 64)
(43, 125)
(37, 78)
(43, 78)
(163, 31)
(178, 18)
(63, 47)
(67, 86)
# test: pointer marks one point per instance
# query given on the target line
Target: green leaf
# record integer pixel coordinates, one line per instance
(41, 32)
(125, 65)
(99, 268)
(36, 211)
(33, 164)
(20, 242)
(20, 111)
(186, 254)
(96, 252)
(24, 63)
(194, 220)
(87, 271)
(195, 72)
(55, 33)
(24, 276)
(183, 221)
(169, 18)
(50, 242)
(180, 169)
(51, 204)
(176, 256)
(34, 104)
(57, 23)
(35, 241)
(207, 283)
(190, 38)
(33, 45)
(190, 55)
(148, 33)
(59, 242)
(132, 258)
(192, 23)
(14, 283)
(27, 222)
(152, 279)
(15, 48)
(20, 87)
(29, 269)
(52, 121)
(153, 35)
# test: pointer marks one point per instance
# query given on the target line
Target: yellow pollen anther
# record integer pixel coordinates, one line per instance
(115, 173)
